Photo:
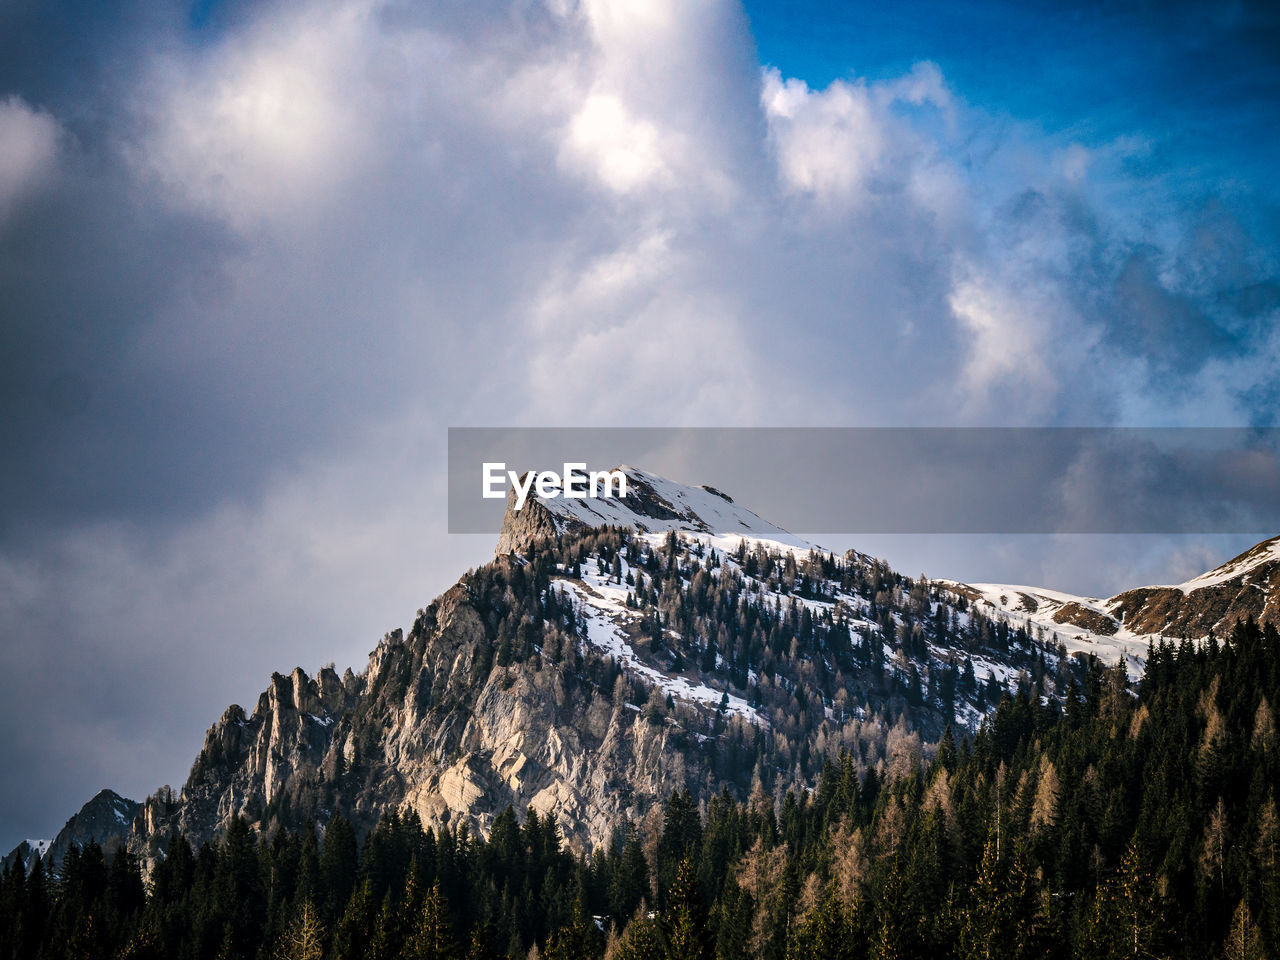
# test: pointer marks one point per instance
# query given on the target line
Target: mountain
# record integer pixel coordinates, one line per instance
(27, 853)
(612, 652)
(617, 650)
(653, 504)
(106, 819)
(1134, 822)
(1247, 586)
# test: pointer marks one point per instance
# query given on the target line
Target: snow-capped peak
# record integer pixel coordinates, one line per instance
(653, 504)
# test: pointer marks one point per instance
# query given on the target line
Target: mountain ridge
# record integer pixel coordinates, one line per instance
(613, 652)
(1246, 586)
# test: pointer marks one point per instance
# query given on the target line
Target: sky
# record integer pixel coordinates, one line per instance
(255, 258)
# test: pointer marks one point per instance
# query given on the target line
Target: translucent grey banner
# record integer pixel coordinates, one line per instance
(918, 479)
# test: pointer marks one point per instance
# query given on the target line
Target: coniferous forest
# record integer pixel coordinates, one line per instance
(1127, 822)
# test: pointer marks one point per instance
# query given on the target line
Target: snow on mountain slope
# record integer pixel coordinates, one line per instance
(1082, 625)
(611, 622)
(653, 504)
(26, 853)
(603, 601)
(607, 617)
(106, 819)
(1123, 625)
(1251, 561)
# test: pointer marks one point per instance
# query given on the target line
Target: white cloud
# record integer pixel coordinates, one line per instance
(28, 146)
(1007, 339)
(656, 104)
(634, 335)
(266, 123)
(843, 144)
(829, 143)
(622, 150)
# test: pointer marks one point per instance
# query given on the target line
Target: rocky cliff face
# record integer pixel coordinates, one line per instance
(523, 529)
(253, 764)
(432, 727)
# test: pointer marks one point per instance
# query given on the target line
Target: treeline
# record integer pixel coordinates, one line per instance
(1116, 825)
(407, 892)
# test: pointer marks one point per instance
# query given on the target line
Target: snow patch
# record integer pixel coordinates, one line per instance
(1006, 602)
(699, 511)
(602, 612)
(1263, 553)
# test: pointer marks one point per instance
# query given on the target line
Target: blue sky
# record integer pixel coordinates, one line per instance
(1201, 78)
(1198, 84)
(256, 258)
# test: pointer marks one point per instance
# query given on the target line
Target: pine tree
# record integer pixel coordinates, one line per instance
(573, 941)
(304, 938)
(630, 881)
(355, 929)
(686, 918)
(642, 940)
(478, 944)
(1126, 917)
(387, 942)
(339, 864)
(1267, 866)
(1243, 942)
(826, 933)
(432, 935)
(993, 926)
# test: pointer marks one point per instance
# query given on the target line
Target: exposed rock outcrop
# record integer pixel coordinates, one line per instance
(432, 727)
(1245, 586)
(1082, 616)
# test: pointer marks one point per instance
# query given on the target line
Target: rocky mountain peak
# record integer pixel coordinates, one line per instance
(653, 504)
(107, 819)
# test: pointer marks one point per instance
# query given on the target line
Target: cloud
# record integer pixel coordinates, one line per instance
(620, 149)
(257, 129)
(847, 142)
(1009, 337)
(28, 145)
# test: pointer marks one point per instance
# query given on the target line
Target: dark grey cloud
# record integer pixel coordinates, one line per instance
(144, 382)
(1154, 323)
(89, 429)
